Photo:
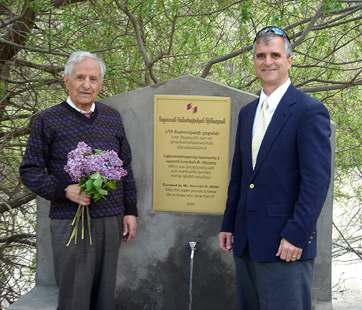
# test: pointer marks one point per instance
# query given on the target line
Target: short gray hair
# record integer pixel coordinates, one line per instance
(270, 35)
(77, 57)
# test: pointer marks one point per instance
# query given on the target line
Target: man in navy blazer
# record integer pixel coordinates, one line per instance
(272, 208)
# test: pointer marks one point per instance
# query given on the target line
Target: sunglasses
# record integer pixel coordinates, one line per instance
(275, 30)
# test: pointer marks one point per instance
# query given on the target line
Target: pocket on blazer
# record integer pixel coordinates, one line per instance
(285, 137)
(280, 210)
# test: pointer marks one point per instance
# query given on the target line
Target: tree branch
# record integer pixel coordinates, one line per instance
(323, 88)
(16, 133)
(17, 34)
(17, 202)
(348, 247)
(48, 69)
(309, 27)
(19, 238)
(208, 66)
(212, 12)
(35, 50)
(141, 46)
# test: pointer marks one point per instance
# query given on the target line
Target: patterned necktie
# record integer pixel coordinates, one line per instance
(261, 124)
(87, 114)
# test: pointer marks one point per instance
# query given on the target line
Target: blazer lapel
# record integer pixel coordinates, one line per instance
(248, 134)
(281, 115)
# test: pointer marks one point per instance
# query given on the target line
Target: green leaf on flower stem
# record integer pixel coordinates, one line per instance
(96, 197)
(92, 191)
(89, 184)
(97, 151)
(111, 184)
(82, 181)
(102, 192)
(97, 183)
(96, 175)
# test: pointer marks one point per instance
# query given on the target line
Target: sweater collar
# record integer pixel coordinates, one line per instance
(70, 102)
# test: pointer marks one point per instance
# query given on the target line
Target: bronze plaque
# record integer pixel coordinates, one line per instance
(191, 153)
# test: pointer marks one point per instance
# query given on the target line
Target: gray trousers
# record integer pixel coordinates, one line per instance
(86, 274)
(273, 285)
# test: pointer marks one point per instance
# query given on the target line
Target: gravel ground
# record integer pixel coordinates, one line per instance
(347, 284)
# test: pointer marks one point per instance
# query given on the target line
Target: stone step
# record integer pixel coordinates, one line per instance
(41, 297)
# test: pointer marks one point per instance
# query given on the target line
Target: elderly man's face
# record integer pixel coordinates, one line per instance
(84, 83)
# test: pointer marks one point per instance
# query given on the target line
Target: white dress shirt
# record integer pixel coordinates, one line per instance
(70, 102)
(273, 100)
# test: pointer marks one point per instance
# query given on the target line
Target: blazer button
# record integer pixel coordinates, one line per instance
(251, 186)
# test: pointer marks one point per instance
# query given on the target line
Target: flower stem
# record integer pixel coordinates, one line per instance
(78, 215)
(83, 222)
(89, 226)
(75, 224)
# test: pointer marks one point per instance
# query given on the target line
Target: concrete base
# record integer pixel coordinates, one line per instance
(323, 306)
(41, 297)
(45, 298)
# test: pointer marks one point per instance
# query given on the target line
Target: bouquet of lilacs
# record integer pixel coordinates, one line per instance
(96, 174)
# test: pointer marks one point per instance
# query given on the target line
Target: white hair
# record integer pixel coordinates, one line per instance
(77, 57)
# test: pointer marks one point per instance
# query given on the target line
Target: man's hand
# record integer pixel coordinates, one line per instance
(72, 193)
(288, 251)
(129, 227)
(225, 241)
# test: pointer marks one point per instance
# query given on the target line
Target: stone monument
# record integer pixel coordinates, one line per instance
(154, 269)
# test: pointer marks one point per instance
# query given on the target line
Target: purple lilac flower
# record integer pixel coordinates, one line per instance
(84, 148)
(81, 163)
(78, 163)
(111, 167)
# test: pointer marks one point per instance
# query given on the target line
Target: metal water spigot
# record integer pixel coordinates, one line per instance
(193, 248)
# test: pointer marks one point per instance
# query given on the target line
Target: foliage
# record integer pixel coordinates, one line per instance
(150, 41)
(17, 252)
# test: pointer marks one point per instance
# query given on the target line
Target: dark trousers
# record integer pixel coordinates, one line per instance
(86, 274)
(273, 285)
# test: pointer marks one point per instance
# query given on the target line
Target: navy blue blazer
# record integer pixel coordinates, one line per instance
(283, 196)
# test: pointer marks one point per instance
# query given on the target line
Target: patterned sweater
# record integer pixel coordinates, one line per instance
(56, 132)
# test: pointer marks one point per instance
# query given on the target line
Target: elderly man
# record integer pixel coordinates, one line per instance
(84, 272)
(279, 180)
